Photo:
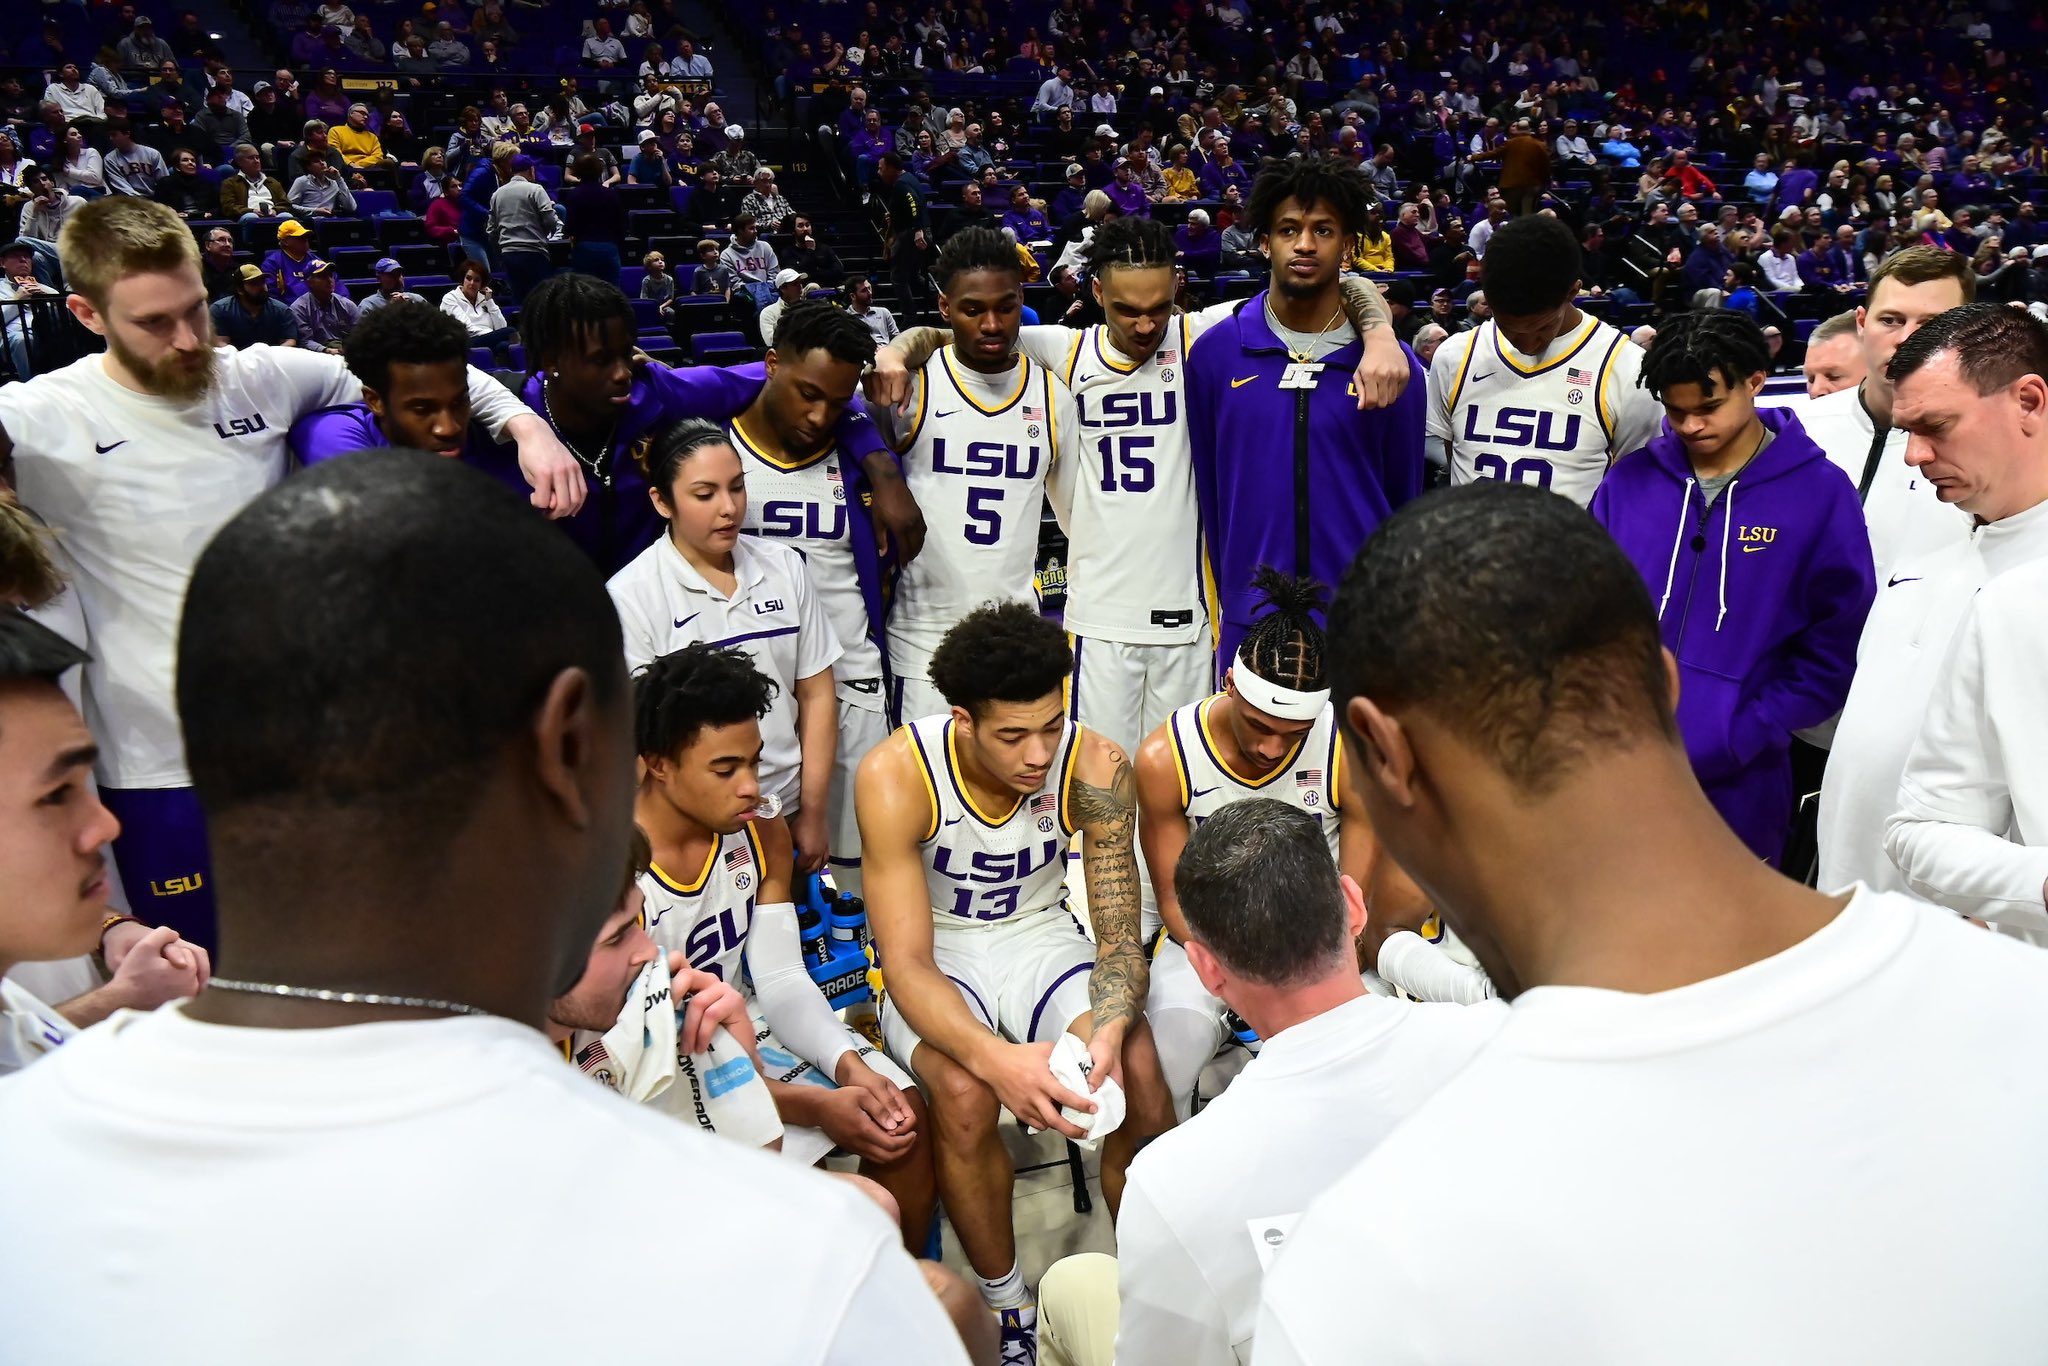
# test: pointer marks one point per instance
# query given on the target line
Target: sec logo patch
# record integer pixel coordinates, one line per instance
(743, 880)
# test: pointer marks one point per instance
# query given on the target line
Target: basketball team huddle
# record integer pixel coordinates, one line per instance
(838, 668)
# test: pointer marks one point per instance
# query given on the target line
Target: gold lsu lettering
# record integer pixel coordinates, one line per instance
(1755, 538)
(178, 886)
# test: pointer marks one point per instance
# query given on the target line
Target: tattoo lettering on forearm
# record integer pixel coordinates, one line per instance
(1364, 308)
(1109, 864)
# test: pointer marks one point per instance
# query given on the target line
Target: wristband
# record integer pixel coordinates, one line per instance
(114, 920)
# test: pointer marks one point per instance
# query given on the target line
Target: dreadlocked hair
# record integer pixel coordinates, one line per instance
(1286, 645)
(973, 249)
(1139, 243)
(564, 310)
(1703, 346)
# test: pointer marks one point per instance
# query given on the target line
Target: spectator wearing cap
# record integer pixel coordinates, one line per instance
(587, 146)
(251, 193)
(220, 121)
(649, 166)
(18, 281)
(735, 163)
(789, 289)
(390, 286)
(1127, 193)
(291, 262)
(522, 222)
(250, 316)
(142, 49)
(322, 192)
(273, 124)
(1069, 200)
(323, 314)
(766, 204)
(1055, 94)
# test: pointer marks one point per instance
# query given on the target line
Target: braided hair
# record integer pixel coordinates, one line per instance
(1140, 243)
(1703, 346)
(565, 311)
(1286, 646)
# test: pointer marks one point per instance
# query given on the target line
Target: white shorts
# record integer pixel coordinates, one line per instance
(810, 1146)
(860, 730)
(1125, 692)
(1026, 982)
(912, 696)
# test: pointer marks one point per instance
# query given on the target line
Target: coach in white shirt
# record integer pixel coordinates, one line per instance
(1272, 931)
(1728, 1118)
(1971, 831)
(408, 717)
(1967, 392)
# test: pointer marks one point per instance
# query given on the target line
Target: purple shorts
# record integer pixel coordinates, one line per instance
(162, 856)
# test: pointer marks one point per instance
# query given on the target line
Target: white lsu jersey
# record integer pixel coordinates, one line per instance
(983, 869)
(803, 505)
(976, 453)
(1126, 494)
(1309, 779)
(708, 916)
(1556, 421)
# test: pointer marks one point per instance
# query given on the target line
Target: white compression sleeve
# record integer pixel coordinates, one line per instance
(1423, 970)
(790, 1001)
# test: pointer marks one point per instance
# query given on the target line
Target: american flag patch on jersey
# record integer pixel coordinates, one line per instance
(593, 1057)
(1168, 357)
(1032, 414)
(1045, 803)
(1574, 375)
(832, 473)
(1308, 777)
(739, 858)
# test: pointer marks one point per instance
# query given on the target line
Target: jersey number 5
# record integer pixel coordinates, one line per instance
(984, 516)
(1137, 469)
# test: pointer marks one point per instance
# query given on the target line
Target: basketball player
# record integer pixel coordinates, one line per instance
(622, 1025)
(1834, 357)
(804, 490)
(137, 457)
(1540, 393)
(704, 581)
(965, 819)
(718, 892)
(1126, 498)
(1287, 472)
(978, 435)
(1691, 1140)
(1907, 521)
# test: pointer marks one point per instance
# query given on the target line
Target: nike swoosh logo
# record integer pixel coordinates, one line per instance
(687, 620)
(955, 821)
(948, 413)
(1896, 580)
(1240, 383)
(1200, 792)
(104, 449)
(1480, 379)
(1752, 549)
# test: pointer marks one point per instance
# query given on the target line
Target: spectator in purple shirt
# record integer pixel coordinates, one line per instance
(1026, 219)
(1199, 246)
(867, 144)
(1127, 194)
(325, 316)
(1223, 170)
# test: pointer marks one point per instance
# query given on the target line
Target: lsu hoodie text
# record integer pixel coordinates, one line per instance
(1761, 597)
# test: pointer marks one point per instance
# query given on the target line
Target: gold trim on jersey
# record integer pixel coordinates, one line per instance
(1133, 368)
(752, 446)
(1591, 325)
(1052, 420)
(931, 785)
(1074, 356)
(917, 421)
(1215, 751)
(1067, 779)
(1023, 385)
(1603, 407)
(1180, 764)
(703, 874)
(967, 796)
(1336, 765)
(760, 851)
(1458, 384)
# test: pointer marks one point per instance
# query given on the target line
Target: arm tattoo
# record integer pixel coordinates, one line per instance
(1109, 863)
(1364, 307)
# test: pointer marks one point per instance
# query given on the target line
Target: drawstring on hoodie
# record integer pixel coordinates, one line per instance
(1671, 571)
(1727, 520)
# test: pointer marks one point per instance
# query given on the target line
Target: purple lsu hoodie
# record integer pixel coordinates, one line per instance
(1761, 597)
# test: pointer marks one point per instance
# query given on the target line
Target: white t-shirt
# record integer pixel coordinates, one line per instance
(29, 1028)
(1805, 1160)
(135, 486)
(423, 1193)
(1971, 831)
(1898, 665)
(773, 614)
(1317, 1097)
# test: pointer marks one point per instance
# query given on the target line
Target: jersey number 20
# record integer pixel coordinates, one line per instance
(1527, 470)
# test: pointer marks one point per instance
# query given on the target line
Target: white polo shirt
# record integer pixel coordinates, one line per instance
(135, 486)
(1971, 831)
(1825, 1156)
(1317, 1098)
(773, 614)
(29, 1027)
(454, 1177)
(1898, 666)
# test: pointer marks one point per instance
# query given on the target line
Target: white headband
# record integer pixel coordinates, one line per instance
(1274, 700)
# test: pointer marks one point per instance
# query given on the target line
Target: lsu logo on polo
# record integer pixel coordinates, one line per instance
(240, 426)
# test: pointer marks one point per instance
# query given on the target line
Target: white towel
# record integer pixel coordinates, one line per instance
(1071, 1066)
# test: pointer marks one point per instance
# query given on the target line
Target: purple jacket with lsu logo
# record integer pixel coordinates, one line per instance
(1761, 597)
